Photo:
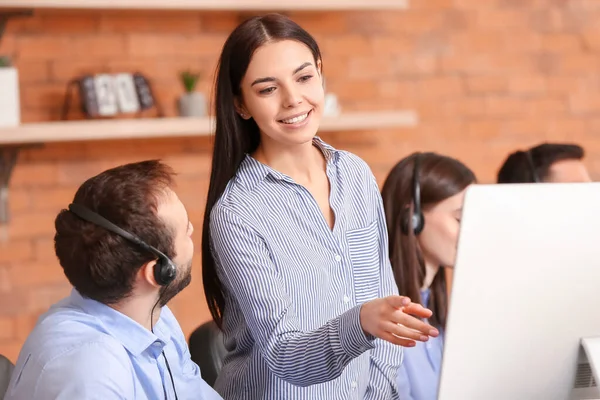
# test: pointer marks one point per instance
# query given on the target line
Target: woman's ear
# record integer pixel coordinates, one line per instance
(241, 109)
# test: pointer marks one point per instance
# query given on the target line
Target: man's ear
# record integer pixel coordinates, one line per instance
(147, 273)
(241, 109)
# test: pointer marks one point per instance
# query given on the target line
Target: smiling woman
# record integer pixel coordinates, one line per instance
(294, 244)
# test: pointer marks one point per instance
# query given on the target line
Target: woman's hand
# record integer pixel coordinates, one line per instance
(397, 320)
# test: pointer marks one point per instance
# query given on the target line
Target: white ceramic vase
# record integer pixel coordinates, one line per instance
(192, 105)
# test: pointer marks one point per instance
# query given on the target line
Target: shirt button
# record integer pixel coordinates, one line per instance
(353, 385)
(346, 299)
(338, 258)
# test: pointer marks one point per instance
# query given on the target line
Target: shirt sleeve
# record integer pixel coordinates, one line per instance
(386, 358)
(93, 371)
(298, 357)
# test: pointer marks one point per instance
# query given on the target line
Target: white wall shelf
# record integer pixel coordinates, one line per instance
(231, 5)
(147, 128)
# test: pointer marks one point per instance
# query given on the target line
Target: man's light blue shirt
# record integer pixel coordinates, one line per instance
(83, 349)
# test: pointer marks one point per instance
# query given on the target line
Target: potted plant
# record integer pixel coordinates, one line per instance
(192, 103)
(10, 110)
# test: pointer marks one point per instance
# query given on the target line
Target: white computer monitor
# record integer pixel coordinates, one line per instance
(526, 290)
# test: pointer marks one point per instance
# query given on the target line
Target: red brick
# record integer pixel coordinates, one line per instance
(19, 200)
(150, 21)
(5, 285)
(7, 328)
(76, 172)
(579, 63)
(464, 106)
(25, 323)
(390, 45)
(44, 248)
(34, 174)
(11, 348)
(65, 70)
(562, 42)
(100, 46)
(52, 199)
(559, 128)
(486, 83)
(394, 88)
(152, 45)
(441, 86)
(69, 22)
(504, 106)
(33, 71)
(31, 225)
(547, 106)
(591, 38)
(40, 299)
(41, 47)
(562, 84)
(14, 302)
(222, 21)
(487, 64)
(367, 89)
(344, 45)
(547, 19)
(584, 103)
(321, 22)
(16, 251)
(506, 19)
(527, 84)
(27, 275)
(159, 69)
(45, 95)
(417, 65)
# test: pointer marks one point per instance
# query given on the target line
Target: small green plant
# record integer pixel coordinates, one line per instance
(189, 80)
(5, 61)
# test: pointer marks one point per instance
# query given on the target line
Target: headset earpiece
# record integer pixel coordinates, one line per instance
(164, 269)
(414, 220)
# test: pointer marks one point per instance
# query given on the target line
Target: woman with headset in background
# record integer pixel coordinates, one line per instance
(423, 196)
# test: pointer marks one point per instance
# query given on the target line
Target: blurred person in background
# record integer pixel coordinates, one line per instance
(423, 199)
(546, 162)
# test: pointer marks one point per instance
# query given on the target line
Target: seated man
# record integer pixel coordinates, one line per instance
(547, 162)
(114, 337)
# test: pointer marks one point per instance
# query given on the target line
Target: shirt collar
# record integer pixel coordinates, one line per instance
(132, 335)
(251, 172)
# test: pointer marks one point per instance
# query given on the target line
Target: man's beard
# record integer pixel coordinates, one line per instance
(169, 291)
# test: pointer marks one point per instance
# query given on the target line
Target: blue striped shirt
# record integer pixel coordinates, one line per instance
(294, 287)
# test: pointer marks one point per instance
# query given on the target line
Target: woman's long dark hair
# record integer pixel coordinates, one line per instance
(439, 177)
(234, 136)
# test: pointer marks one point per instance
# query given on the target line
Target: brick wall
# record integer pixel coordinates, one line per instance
(485, 76)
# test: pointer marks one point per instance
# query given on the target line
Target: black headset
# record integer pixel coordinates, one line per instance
(531, 164)
(164, 269)
(416, 220)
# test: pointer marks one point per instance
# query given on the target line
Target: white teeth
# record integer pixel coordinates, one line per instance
(295, 120)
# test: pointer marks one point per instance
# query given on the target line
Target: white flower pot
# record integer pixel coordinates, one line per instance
(10, 108)
(192, 105)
